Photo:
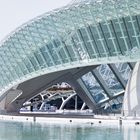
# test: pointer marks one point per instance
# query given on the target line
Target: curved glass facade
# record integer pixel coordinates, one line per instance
(81, 34)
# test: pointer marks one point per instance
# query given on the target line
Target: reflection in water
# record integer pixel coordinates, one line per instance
(36, 131)
(131, 133)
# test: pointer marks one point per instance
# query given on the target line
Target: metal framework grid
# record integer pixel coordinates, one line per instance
(79, 34)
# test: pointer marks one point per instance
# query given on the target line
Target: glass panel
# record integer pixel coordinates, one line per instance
(39, 59)
(70, 51)
(110, 38)
(86, 42)
(120, 99)
(113, 105)
(99, 40)
(52, 51)
(34, 63)
(24, 68)
(110, 79)
(120, 31)
(124, 70)
(79, 46)
(46, 56)
(62, 51)
(28, 65)
(94, 88)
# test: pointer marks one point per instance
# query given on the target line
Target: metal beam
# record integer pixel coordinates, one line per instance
(83, 106)
(101, 81)
(132, 65)
(114, 97)
(117, 75)
(65, 101)
(83, 92)
(83, 71)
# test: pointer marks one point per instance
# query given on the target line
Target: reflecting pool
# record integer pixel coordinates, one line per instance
(10, 130)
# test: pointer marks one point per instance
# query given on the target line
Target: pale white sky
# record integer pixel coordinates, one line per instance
(14, 13)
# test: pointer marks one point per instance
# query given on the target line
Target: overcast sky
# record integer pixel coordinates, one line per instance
(14, 13)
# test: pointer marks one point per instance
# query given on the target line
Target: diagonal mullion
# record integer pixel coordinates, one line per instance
(98, 32)
(54, 46)
(121, 28)
(44, 61)
(60, 40)
(133, 26)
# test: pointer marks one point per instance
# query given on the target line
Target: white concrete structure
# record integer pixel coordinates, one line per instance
(131, 103)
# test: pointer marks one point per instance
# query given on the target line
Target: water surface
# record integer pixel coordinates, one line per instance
(10, 130)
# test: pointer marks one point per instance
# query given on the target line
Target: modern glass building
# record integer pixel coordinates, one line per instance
(92, 45)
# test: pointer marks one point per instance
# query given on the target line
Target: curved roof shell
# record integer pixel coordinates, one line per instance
(79, 34)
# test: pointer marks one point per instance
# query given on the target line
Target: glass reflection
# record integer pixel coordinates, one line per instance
(94, 87)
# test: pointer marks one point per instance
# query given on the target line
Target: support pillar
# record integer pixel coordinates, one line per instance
(75, 102)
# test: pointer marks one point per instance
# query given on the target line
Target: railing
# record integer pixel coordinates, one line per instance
(88, 111)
